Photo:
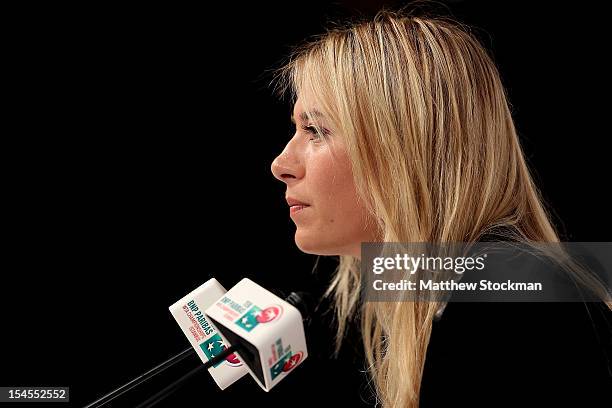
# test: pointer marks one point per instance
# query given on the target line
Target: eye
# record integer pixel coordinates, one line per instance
(313, 131)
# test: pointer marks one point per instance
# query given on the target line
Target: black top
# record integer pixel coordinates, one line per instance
(528, 354)
(520, 354)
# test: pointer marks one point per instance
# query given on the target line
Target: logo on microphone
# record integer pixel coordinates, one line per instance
(255, 315)
(215, 346)
(286, 363)
(293, 361)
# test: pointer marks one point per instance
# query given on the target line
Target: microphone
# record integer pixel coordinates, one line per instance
(204, 337)
(269, 330)
(302, 302)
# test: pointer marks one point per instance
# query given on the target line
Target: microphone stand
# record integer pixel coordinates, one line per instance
(297, 300)
(158, 369)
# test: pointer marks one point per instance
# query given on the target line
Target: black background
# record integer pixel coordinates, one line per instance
(137, 146)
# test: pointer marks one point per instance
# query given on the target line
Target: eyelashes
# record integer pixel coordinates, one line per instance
(312, 130)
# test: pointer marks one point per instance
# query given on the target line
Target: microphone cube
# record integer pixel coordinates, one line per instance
(269, 330)
(203, 335)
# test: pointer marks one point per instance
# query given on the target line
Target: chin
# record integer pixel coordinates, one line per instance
(307, 246)
(315, 246)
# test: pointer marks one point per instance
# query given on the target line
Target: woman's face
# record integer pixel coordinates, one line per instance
(333, 220)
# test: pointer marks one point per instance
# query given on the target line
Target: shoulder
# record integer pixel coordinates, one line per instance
(521, 349)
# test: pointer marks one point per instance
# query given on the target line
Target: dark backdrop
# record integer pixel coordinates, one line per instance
(137, 148)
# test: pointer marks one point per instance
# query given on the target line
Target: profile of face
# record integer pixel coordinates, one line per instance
(323, 202)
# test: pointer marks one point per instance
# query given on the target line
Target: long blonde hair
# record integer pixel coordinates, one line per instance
(435, 157)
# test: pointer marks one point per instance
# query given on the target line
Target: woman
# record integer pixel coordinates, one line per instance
(403, 135)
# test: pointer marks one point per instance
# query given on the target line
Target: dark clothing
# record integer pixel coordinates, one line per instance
(528, 354)
(480, 354)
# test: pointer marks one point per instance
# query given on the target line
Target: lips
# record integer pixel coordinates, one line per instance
(296, 208)
(296, 205)
(295, 202)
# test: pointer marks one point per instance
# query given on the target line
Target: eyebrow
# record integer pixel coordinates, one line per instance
(304, 116)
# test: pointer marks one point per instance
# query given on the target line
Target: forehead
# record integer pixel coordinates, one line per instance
(304, 117)
(300, 111)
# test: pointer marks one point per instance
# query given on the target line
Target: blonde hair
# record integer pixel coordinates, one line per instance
(435, 156)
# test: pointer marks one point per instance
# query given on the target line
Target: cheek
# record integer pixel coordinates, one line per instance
(337, 223)
(337, 198)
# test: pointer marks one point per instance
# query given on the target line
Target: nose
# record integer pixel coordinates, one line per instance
(287, 167)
